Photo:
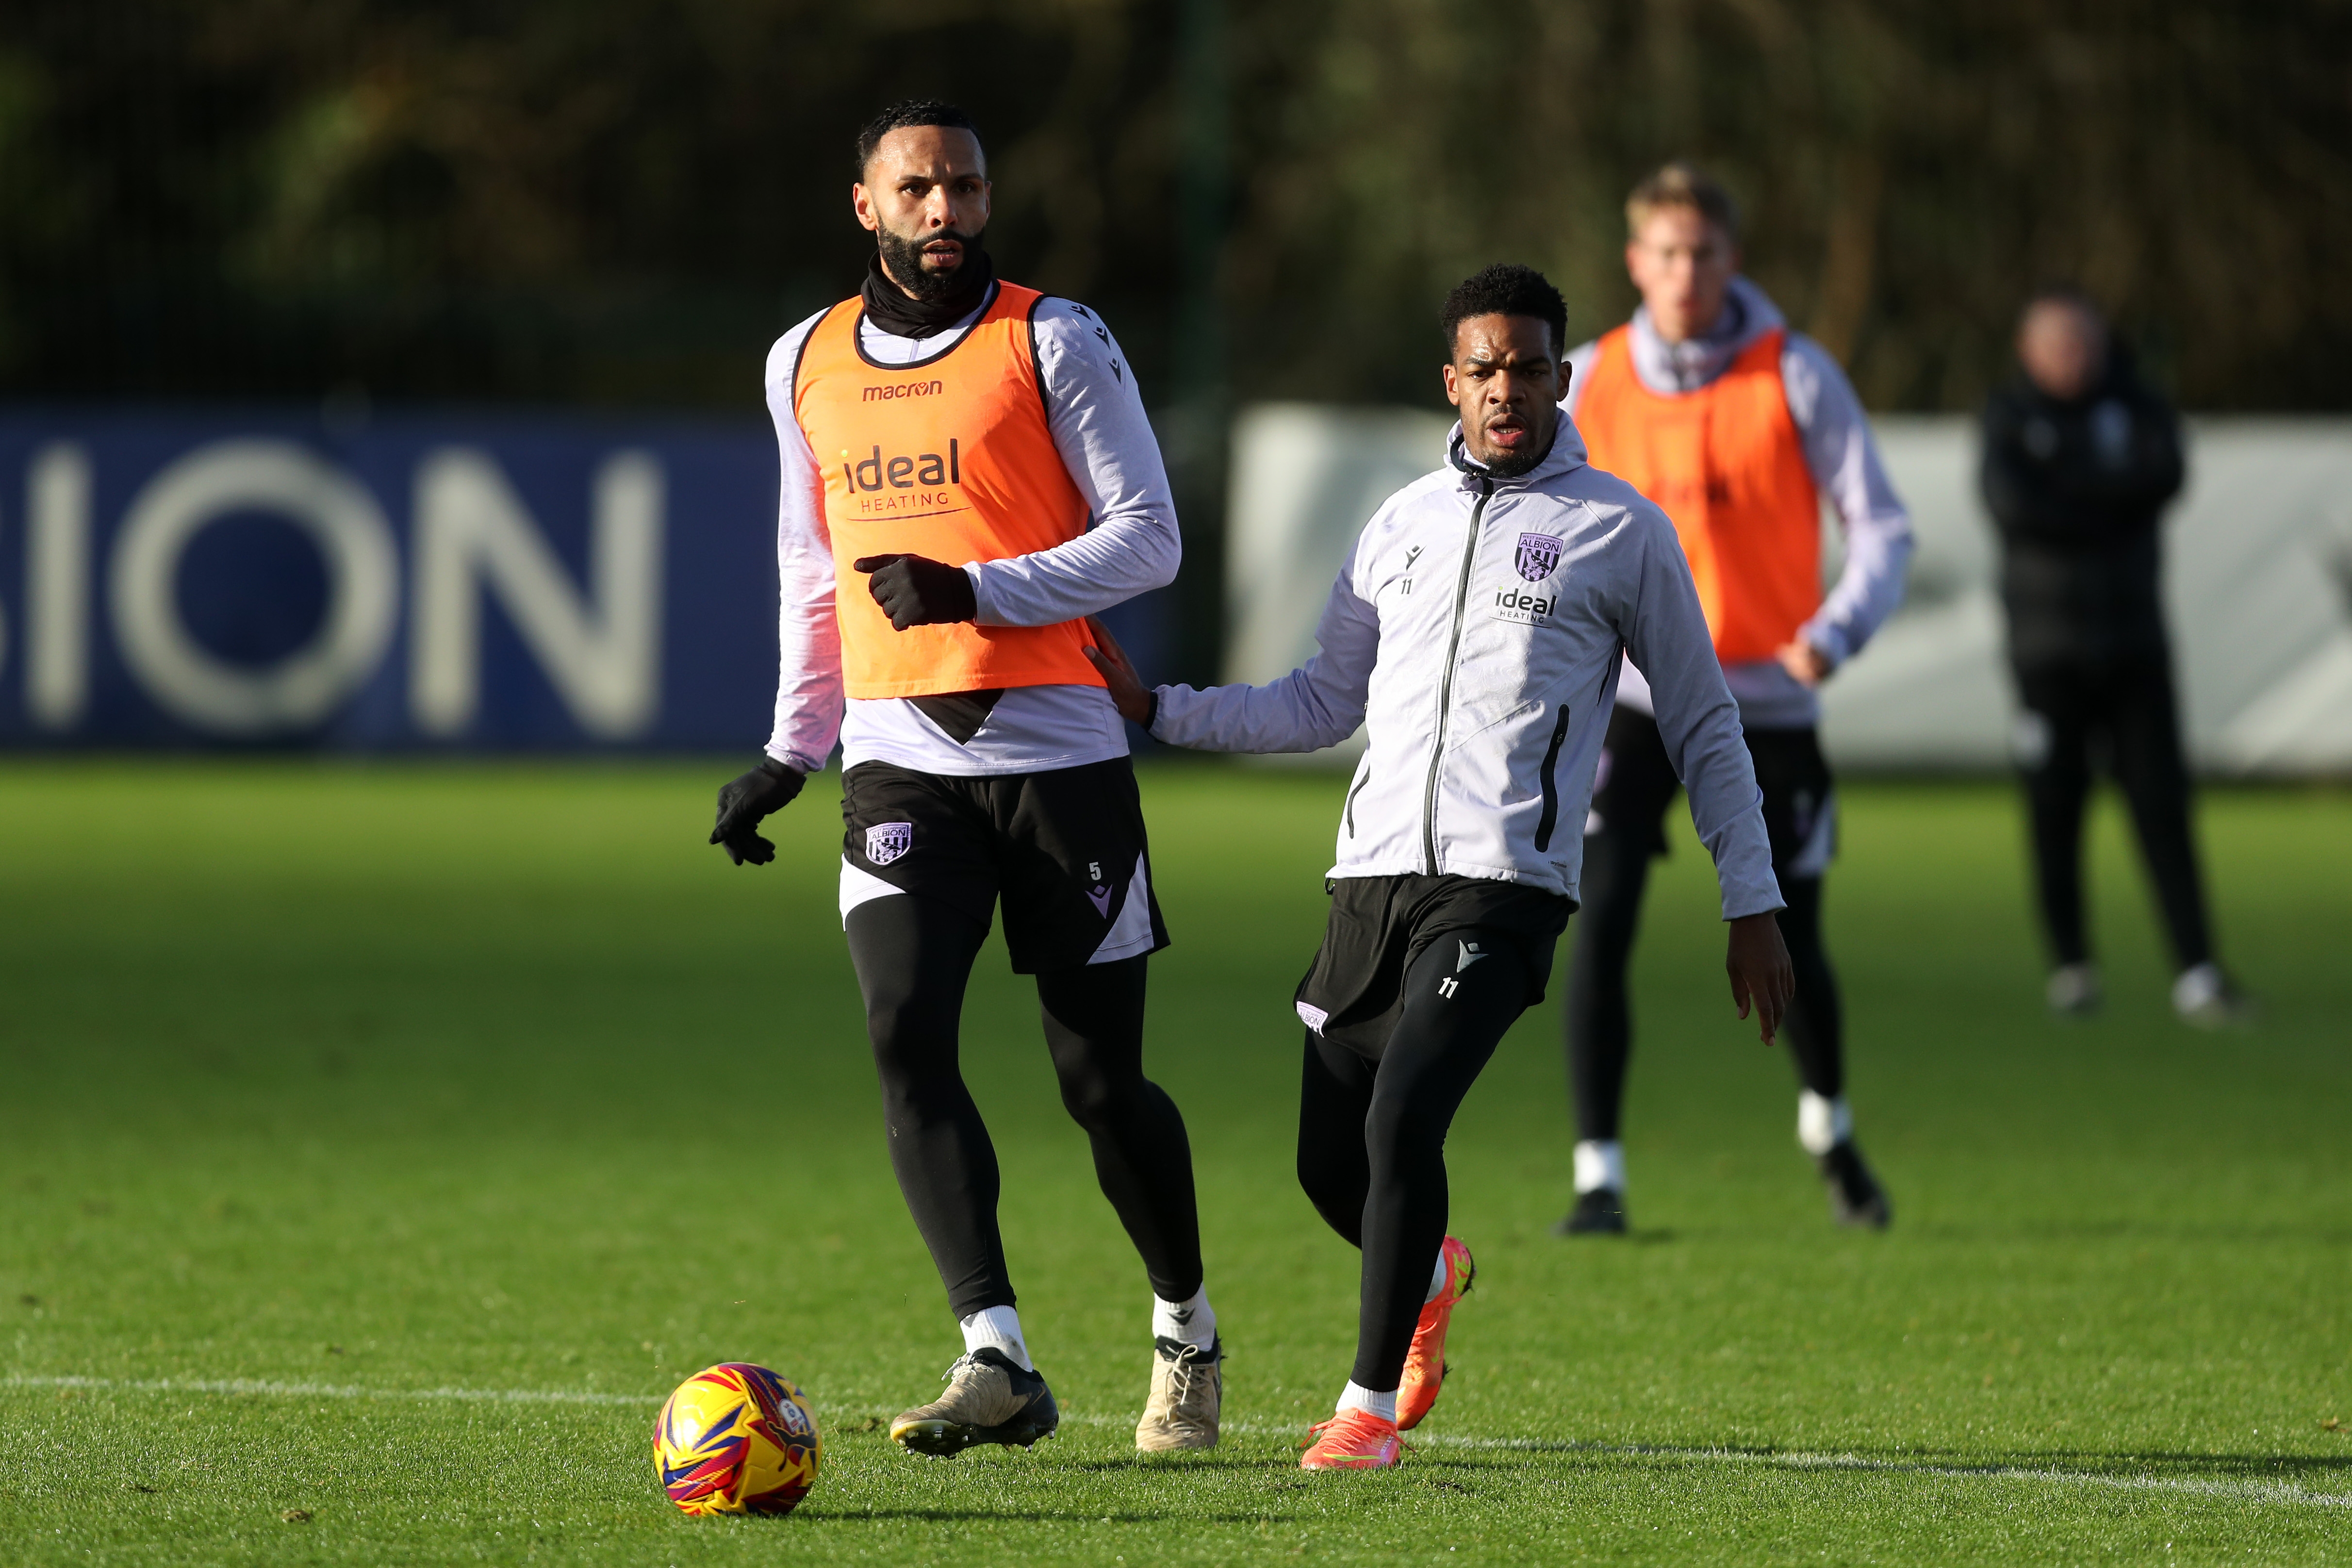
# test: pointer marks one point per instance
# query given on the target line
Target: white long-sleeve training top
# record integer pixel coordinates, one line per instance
(1130, 546)
(1476, 632)
(1845, 464)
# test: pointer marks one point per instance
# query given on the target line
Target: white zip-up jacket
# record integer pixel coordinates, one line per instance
(1477, 633)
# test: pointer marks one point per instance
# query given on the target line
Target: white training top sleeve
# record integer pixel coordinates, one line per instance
(1846, 466)
(1131, 545)
(1319, 704)
(808, 638)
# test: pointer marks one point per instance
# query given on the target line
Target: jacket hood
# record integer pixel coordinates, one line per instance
(1567, 456)
(1668, 368)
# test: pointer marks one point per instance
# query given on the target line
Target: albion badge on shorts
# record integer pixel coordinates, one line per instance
(886, 841)
(1538, 556)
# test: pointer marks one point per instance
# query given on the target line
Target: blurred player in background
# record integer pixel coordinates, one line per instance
(1477, 633)
(2080, 457)
(967, 474)
(1709, 405)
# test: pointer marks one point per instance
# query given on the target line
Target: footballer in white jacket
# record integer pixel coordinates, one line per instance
(1477, 633)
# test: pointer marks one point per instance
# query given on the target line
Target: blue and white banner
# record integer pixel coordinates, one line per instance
(427, 581)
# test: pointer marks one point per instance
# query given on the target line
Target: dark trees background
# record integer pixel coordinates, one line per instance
(622, 202)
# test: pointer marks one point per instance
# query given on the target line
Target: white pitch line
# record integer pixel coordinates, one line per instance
(331, 1390)
(2257, 1491)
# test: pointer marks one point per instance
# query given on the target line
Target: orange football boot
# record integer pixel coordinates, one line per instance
(1353, 1440)
(1425, 1364)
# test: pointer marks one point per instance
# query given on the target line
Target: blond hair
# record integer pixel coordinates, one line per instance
(1682, 184)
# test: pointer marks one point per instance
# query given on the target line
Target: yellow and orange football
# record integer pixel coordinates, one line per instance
(736, 1438)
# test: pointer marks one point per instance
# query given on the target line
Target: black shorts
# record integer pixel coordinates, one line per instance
(1378, 925)
(1637, 784)
(1065, 850)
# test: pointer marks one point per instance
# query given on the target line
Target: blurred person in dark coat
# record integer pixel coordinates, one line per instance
(2081, 456)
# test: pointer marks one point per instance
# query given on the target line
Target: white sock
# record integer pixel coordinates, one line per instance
(999, 1327)
(1189, 1322)
(1357, 1397)
(1599, 1164)
(1823, 1124)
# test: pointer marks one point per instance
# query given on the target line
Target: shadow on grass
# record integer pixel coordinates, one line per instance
(1149, 1464)
(1431, 1469)
(1038, 1516)
(2261, 1466)
(2129, 1230)
(2088, 1465)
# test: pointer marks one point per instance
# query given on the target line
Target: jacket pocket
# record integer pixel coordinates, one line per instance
(1349, 815)
(1550, 817)
(1476, 719)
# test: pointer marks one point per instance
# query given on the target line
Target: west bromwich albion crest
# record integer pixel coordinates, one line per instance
(886, 841)
(1539, 554)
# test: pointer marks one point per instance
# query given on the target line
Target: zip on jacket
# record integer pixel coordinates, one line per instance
(1445, 683)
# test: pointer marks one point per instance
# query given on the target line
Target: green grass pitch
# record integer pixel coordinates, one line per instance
(378, 1146)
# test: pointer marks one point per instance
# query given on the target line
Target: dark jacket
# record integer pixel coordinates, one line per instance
(2076, 489)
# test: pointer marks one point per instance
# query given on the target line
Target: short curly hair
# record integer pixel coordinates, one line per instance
(1507, 288)
(899, 116)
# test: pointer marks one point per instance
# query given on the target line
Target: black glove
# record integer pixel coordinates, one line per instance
(744, 801)
(914, 592)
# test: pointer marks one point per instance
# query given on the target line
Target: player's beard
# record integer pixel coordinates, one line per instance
(903, 260)
(1511, 465)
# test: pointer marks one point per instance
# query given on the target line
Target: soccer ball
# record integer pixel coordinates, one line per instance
(736, 1438)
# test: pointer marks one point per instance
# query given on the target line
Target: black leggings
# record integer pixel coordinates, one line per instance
(2127, 711)
(1371, 1132)
(913, 956)
(1630, 810)
(1600, 1015)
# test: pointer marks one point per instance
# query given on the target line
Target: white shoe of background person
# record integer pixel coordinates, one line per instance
(2074, 989)
(2209, 999)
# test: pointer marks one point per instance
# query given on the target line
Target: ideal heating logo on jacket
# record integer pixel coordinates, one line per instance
(1527, 609)
(902, 483)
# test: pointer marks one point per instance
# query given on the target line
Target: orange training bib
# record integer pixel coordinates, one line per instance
(948, 457)
(1727, 465)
